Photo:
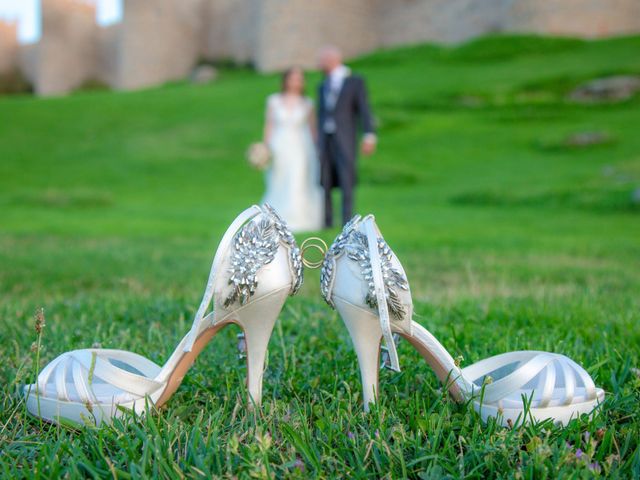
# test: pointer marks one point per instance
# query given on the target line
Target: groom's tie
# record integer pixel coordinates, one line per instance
(330, 100)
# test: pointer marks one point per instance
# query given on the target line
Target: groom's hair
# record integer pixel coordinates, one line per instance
(329, 53)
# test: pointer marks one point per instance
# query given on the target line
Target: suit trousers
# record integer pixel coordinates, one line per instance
(338, 163)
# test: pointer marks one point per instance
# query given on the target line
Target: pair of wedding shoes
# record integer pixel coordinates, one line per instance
(257, 265)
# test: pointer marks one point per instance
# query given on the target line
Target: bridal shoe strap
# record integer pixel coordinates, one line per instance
(530, 364)
(381, 298)
(223, 249)
(46, 372)
(81, 384)
(84, 367)
(569, 383)
(124, 380)
(526, 372)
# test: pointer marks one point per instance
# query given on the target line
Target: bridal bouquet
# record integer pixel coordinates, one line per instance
(258, 155)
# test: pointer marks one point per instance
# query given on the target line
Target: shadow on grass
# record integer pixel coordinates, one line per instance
(53, 198)
(601, 200)
(576, 141)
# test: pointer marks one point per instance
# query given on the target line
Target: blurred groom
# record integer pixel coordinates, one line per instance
(342, 104)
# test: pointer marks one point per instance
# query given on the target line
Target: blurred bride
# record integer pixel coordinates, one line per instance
(293, 178)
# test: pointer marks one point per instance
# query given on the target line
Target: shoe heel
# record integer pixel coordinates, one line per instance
(257, 320)
(366, 335)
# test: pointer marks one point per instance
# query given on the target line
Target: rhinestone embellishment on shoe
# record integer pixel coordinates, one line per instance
(254, 246)
(355, 244)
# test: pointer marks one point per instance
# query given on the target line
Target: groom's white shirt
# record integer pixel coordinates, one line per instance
(336, 78)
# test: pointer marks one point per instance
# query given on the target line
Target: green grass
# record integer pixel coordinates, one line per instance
(111, 205)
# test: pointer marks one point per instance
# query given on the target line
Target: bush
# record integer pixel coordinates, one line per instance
(14, 82)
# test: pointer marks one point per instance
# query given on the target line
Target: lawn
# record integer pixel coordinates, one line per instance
(512, 236)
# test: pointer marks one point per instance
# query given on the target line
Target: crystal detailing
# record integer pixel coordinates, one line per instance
(393, 278)
(329, 264)
(254, 246)
(358, 251)
(326, 277)
(295, 256)
(354, 243)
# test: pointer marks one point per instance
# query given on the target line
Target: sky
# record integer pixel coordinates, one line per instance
(27, 14)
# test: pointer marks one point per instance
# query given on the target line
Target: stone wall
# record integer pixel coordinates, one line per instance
(67, 52)
(231, 30)
(162, 40)
(451, 21)
(275, 34)
(582, 18)
(28, 61)
(415, 21)
(291, 32)
(108, 54)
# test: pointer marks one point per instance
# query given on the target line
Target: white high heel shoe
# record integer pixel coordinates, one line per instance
(364, 280)
(257, 265)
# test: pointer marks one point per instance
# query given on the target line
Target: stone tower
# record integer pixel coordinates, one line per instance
(68, 51)
(9, 52)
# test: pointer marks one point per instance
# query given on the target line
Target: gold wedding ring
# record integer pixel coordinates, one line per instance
(313, 243)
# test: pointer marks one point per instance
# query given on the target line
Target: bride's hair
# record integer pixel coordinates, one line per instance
(287, 74)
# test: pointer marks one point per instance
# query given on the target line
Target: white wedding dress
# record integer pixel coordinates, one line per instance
(293, 179)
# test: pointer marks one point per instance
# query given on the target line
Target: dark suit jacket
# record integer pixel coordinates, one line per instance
(352, 107)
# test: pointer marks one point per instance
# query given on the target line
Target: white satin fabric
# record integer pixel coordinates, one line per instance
(223, 250)
(293, 178)
(515, 387)
(95, 385)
